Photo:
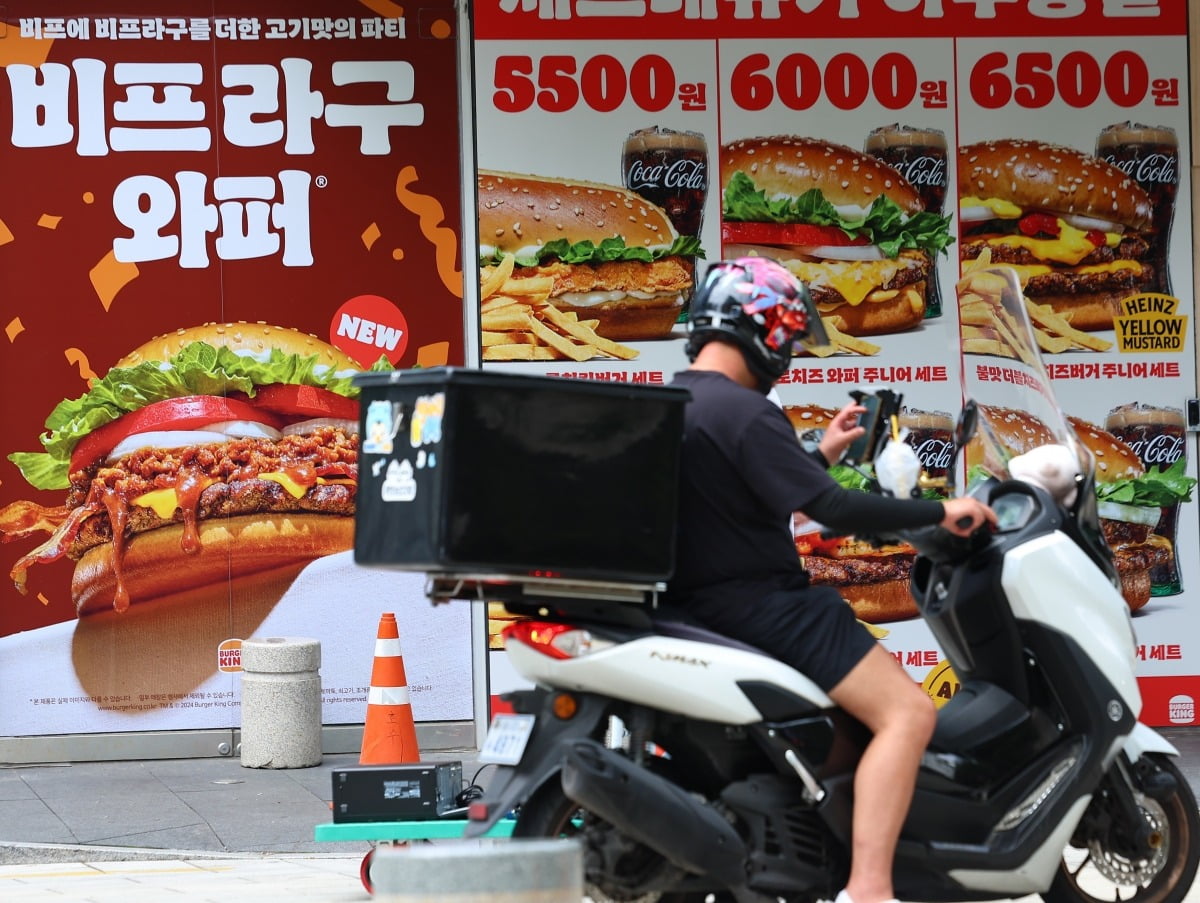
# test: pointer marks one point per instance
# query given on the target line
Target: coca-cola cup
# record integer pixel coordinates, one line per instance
(931, 434)
(1150, 156)
(919, 154)
(669, 169)
(1159, 438)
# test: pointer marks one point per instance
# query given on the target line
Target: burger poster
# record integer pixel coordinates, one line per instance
(211, 219)
(1051, 137)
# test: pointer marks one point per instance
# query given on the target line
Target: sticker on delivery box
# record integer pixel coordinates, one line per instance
(398, 483)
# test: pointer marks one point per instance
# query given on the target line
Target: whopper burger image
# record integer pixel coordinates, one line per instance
(215, 456)
(595, 253)
(1130, 502)
(847, 224)
(1072, 226)
(874, 580)
(1129, 499)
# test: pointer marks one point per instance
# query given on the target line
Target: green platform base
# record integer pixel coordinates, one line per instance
(405, 830)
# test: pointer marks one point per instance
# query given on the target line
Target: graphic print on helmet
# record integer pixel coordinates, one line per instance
(762, 307)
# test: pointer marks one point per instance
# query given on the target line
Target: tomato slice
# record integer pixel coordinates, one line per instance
(819, 545)
(1033, 223)
(796, 234)
(187, 413)
(308, 401)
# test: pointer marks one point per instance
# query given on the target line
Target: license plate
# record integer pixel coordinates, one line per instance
(506, 739)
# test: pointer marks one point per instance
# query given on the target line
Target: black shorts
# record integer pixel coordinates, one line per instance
(812, 629)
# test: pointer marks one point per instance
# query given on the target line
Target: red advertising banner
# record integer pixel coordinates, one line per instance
(288, 174)
(795, 130)
(712, 19)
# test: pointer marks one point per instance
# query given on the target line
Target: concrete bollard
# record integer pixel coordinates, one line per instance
(514, 871)
(281, 702)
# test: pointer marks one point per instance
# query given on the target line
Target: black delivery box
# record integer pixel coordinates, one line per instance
(417, 792)
(477, 472)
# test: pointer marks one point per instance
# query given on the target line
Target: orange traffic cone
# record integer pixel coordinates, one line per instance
(389, 735)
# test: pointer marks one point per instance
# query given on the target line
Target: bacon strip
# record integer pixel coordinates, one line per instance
(22, 518)
(54, 547)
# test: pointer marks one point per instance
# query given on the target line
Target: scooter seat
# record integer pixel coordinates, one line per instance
(684, 630)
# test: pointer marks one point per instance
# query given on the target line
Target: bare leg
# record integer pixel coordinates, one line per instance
(879, 693)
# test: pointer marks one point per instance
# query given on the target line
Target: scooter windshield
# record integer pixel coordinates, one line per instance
(1003, 372)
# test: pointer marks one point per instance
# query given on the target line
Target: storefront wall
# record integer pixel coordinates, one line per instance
(388, 220)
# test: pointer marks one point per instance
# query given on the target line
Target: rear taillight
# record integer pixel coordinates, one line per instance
(561, 641)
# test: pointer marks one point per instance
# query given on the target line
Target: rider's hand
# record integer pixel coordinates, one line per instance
(842, 430)
(965, 515)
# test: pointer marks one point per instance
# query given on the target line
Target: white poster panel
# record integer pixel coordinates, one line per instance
(560, 84)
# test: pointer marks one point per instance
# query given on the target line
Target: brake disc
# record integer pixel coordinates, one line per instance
(1122, 870)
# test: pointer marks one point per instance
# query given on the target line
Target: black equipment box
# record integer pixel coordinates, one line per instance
(466, 472)
(417, 792)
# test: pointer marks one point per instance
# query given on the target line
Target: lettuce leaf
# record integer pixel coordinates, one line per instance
(198, 369)
(1157, 488)
(609, 250)
(849, 478)
(884, 224)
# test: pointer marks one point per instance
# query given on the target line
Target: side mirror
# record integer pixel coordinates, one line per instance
(883, 406)
(968, 422)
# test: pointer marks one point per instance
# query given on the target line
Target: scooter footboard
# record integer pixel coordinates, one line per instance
(543, 757)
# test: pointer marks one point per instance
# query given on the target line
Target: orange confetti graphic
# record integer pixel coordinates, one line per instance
(5, 234)
(397, 254)
(75, 356)
(435, 354)
(29, 51)
(14, 328)
(440, 29)
(109, 276)
(48, 221)
(89, 198)
(443, 238)
(384, 8)
(371, 235)
(41, 598)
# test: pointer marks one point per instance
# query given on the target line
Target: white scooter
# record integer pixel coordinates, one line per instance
(692, 767)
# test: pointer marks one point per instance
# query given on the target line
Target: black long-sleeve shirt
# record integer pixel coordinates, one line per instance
(743, 474)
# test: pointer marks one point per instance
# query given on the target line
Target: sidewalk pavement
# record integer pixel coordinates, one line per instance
(208, 830)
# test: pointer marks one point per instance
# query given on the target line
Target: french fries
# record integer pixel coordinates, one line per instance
(840, 341)
(988, 327)
(493, 278)
(1043, 315)
(518, 322)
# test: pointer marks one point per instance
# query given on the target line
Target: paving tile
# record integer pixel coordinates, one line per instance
(121, 812)
(32, 821)
(13, 786)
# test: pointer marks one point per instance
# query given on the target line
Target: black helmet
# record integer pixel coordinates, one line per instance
(756, 302)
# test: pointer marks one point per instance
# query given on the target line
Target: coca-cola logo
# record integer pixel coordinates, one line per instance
(1163, 449)
(680, 174)
(935, 454)
(1157, 169)
(924, 170)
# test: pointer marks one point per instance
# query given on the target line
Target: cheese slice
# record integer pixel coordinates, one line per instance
(162, 501)
(1069, 247)
(1001, 209)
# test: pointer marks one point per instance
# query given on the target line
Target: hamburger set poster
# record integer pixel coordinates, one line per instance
(287, 171)
(1052, 137)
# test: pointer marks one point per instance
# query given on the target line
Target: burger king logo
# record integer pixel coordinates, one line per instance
(229, 656)
(941, 683)
(1181, 709)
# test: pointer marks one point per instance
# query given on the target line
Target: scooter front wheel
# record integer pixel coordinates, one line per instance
(1153, 861)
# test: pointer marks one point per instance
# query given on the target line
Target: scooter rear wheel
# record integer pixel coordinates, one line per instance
(1098, 867)
(549, 813)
